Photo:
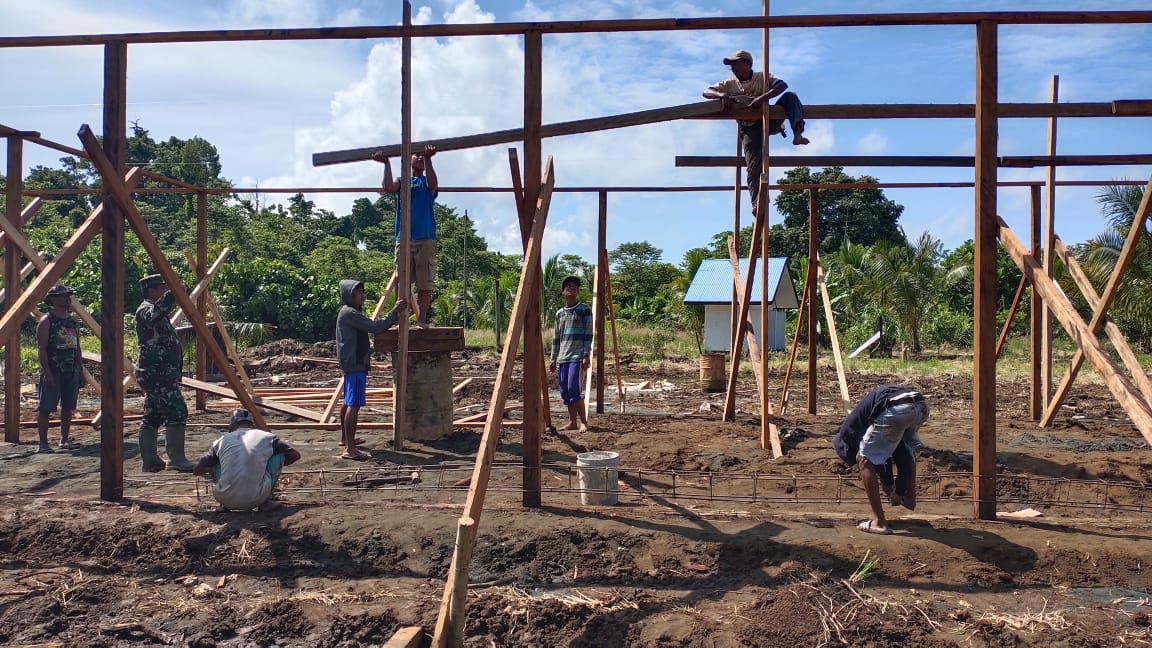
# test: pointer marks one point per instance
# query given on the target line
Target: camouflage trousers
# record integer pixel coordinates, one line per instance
(164, 404)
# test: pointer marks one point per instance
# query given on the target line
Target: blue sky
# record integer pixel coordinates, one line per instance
(269, 106)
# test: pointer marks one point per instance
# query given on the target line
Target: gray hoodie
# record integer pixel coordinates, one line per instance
(353, 329)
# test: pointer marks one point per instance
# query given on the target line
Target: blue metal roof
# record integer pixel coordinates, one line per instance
(713, 283)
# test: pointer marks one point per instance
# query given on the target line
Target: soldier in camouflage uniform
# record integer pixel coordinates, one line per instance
(158, 373)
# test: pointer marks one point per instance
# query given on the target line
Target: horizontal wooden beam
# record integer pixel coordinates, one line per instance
(714, 110)
(594, 124)
(1118, 108)
(47, 193)
(1014, 161)
(440, 338)
(587, 26)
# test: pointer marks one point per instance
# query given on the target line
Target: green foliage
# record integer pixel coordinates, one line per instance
(863, 216)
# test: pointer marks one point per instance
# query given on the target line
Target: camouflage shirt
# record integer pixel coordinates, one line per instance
(63, 345)
(161, 354)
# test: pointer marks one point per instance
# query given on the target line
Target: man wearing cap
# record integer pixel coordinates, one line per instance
(158, 370)
(58, 342)
(748, 89)
(879, 435)
(422, 230)
(245, 463)
(354, 350)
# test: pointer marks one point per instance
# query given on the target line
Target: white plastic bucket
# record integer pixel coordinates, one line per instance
(598, 478)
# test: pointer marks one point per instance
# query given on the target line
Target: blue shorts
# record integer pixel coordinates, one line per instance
(63, 393)
(355, 389)
(569, 375)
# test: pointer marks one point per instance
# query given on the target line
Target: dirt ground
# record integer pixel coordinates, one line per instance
(713, 543)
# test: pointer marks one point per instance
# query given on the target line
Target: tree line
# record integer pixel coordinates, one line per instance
(286, 259)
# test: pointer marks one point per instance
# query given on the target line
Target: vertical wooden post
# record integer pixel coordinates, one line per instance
(202, 300)
(13, 196)
(1036, 335)
(112, 278)
(768, 432)
(735, 345)
(810, 289)
(1049, 245)
(984, 276)
(601, 283)
(404, 258)
(533, 342)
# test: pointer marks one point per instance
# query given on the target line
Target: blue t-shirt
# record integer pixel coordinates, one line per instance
(423, 218)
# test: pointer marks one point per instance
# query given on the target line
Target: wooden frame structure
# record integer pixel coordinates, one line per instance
(986, 111)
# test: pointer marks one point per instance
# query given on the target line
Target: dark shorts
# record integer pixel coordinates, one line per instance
(569, 376)
(62, 393)
(356, 389)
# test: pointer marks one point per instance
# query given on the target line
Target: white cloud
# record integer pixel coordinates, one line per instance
(874, 143)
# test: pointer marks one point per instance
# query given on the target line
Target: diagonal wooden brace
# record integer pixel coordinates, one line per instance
(1062, 309)
(55, 269)
(1127, 253)
(123, 199)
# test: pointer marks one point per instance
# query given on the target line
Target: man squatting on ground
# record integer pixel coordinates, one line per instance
(422, 230)
(572, 348)
(354, 349)
(158, 373)
(58, 344)
(245, 463)
(748, 89)
(882, 432)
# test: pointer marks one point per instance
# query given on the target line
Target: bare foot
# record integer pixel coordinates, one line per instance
(268, 505)
(799, 140)
(583, 428)
(45, 449)
(571, 426)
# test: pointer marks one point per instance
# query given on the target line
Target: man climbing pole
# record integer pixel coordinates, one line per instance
(749, 90)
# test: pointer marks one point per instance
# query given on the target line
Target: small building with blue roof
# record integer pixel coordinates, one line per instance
(712, 288)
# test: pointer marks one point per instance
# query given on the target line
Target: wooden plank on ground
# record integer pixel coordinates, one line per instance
(267, 403)
(410, 637)
(1122, 388)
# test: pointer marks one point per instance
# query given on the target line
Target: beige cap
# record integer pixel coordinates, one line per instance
(737, 55)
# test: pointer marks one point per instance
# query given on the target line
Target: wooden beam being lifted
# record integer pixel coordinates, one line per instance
(714, 110)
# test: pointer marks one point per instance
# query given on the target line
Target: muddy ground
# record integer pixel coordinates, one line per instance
(713, 543)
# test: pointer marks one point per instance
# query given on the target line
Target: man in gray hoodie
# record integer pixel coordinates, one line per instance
(354, 349)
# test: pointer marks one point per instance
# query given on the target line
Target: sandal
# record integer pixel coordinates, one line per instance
(866, 527)
(359, 456)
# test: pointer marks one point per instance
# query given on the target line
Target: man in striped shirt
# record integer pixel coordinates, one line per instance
(572, 349)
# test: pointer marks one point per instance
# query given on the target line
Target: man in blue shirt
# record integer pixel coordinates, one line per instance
(571, 352)
(422, 230)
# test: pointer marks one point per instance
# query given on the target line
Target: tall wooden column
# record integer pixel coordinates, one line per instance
(984, 277)
(813, 311)
(1036, 330)
(533, 342)
(13, 197)
(1049, 251)
(766, 427)
(202, 300)
(601, 288)
(404, 256)
(112, 278)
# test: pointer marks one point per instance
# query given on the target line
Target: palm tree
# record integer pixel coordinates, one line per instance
(903, 281)
(1131, 308)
